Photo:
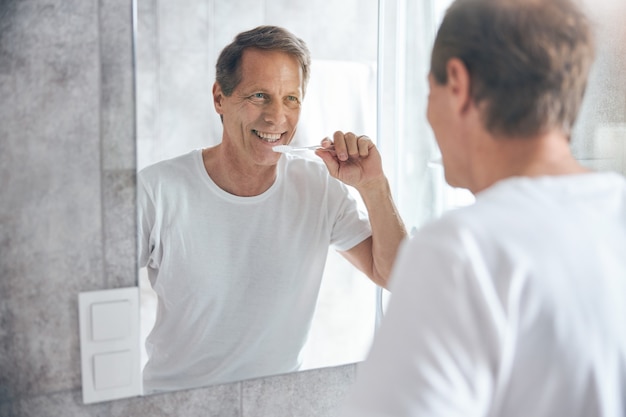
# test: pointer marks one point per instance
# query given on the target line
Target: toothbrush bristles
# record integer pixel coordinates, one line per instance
(281, 148)
(288, 148)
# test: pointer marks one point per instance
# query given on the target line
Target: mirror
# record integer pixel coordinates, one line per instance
(176, 51)
(175, 72)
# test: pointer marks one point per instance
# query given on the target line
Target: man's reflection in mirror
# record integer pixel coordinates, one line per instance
(235, 236)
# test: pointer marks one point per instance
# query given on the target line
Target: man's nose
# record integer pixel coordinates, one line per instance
(275, 112)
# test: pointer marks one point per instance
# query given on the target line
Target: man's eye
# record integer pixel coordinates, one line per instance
(258, 98)
(293, 101)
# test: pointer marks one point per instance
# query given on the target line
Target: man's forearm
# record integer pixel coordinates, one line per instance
(388, 229)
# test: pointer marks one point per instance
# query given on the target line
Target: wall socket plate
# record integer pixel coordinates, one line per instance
(109, 344)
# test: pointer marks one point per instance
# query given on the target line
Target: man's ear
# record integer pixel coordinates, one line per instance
(218, 97)
(459, 84)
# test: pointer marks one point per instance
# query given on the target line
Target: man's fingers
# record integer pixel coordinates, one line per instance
(352, 144)
(364, 143)
(349, 145)
(341, 147)
(330, 161)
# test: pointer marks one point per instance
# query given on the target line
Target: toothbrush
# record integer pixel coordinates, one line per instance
(287, 148)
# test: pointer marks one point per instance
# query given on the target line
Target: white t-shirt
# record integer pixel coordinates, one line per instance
(514, 306)
(237, 278)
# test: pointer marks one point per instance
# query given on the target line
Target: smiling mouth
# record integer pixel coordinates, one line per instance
(268, 137)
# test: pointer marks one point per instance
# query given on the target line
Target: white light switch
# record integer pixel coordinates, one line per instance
(112, 370)
(110, 320)
(109, 344)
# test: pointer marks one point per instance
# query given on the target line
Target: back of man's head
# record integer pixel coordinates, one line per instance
(528, 60)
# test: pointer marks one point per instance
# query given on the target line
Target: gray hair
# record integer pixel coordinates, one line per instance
(270, 38)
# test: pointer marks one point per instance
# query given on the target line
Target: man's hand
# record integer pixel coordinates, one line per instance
(355, 160)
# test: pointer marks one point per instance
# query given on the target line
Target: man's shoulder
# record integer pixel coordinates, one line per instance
(483, 219)
(167, 166)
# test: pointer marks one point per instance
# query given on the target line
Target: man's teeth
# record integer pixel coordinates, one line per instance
(268, 137)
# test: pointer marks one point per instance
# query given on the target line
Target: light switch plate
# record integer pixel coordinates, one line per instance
(110, 344)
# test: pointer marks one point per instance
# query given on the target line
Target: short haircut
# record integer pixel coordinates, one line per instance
(528, 61)
(270, 38)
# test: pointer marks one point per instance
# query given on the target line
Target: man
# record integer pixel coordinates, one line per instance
(514, 306)
(235, 236)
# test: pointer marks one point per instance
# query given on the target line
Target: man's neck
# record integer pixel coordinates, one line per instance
(234, 176)
(500, 158)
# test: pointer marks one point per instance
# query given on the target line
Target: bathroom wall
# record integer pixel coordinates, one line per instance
(67, 210)
(599, 137)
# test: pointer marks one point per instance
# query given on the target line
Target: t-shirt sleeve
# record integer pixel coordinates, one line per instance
(146, 216)
(436, 350)
(351, 224)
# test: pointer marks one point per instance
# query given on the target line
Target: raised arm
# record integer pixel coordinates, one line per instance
(357, 162)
